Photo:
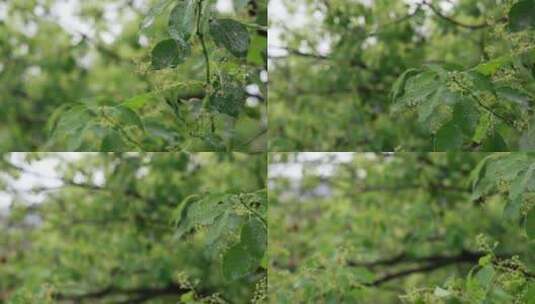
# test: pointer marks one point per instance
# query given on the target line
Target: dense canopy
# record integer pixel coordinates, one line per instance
(402, 228)
(411, 75)
(132, 228)
(120, 75)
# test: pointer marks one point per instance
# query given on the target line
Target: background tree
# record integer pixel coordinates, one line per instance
(419, 75)
(402, 228)
(134, 228)
(92, 76)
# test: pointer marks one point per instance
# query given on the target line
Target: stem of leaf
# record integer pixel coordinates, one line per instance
(503, 118)
(203, 43)
(258, 215)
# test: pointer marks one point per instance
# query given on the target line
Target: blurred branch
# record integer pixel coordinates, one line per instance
(134, 295)
(437, 12)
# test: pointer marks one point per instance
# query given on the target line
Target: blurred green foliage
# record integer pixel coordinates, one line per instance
(114, 232)
(465, 74)
(401, 228)
(66, 70)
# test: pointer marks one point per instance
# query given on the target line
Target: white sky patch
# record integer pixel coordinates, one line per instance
(38, 174)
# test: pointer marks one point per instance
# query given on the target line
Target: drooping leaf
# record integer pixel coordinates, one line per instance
(228, 98)
(182, 20)
(485, 276)
(448, 138)
(521, 16)
(169, 53)
(155, 10)
(113, 142)
(202, 212)
(236, 263)
(254, 237)
(399, 86)
(230, 34)
(494, 143)
(123, 116)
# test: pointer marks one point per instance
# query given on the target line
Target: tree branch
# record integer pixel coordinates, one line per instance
(132, 295)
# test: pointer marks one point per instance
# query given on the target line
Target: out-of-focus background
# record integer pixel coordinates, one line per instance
(101, 228)
(391, 228)
(55, 54)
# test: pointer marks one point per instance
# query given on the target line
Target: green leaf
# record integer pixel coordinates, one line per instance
(485, 276)
(448, 138)
(169, 53)
(254, 237)
(494, 143)
(466, 116)
(202, 212)
(512, 210)
(155, 10)
(521, 16)
(139, 101)
(236, 263)
(123, 116)
(530, 223)
(489, 68)
(230, 34)
(399, 86)
(437, 109)
(182, 20)
(113, 142)
(258, 51)
(228, 98)
(527, 140)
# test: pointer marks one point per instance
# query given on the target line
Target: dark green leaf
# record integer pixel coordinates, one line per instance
(182, 20)
(254, 237)
(494, 143)
(449, 137)
(228, 98)
(530, 223)
(521, 16)
(236, 263)
(230, 34)
(169, 53)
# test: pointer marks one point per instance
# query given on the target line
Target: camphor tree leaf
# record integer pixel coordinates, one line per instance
(230, 34)
(156, 10)
(182, 20)
(521, 16)
(169, 53)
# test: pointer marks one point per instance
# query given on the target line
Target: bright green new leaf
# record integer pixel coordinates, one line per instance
(230, 34)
